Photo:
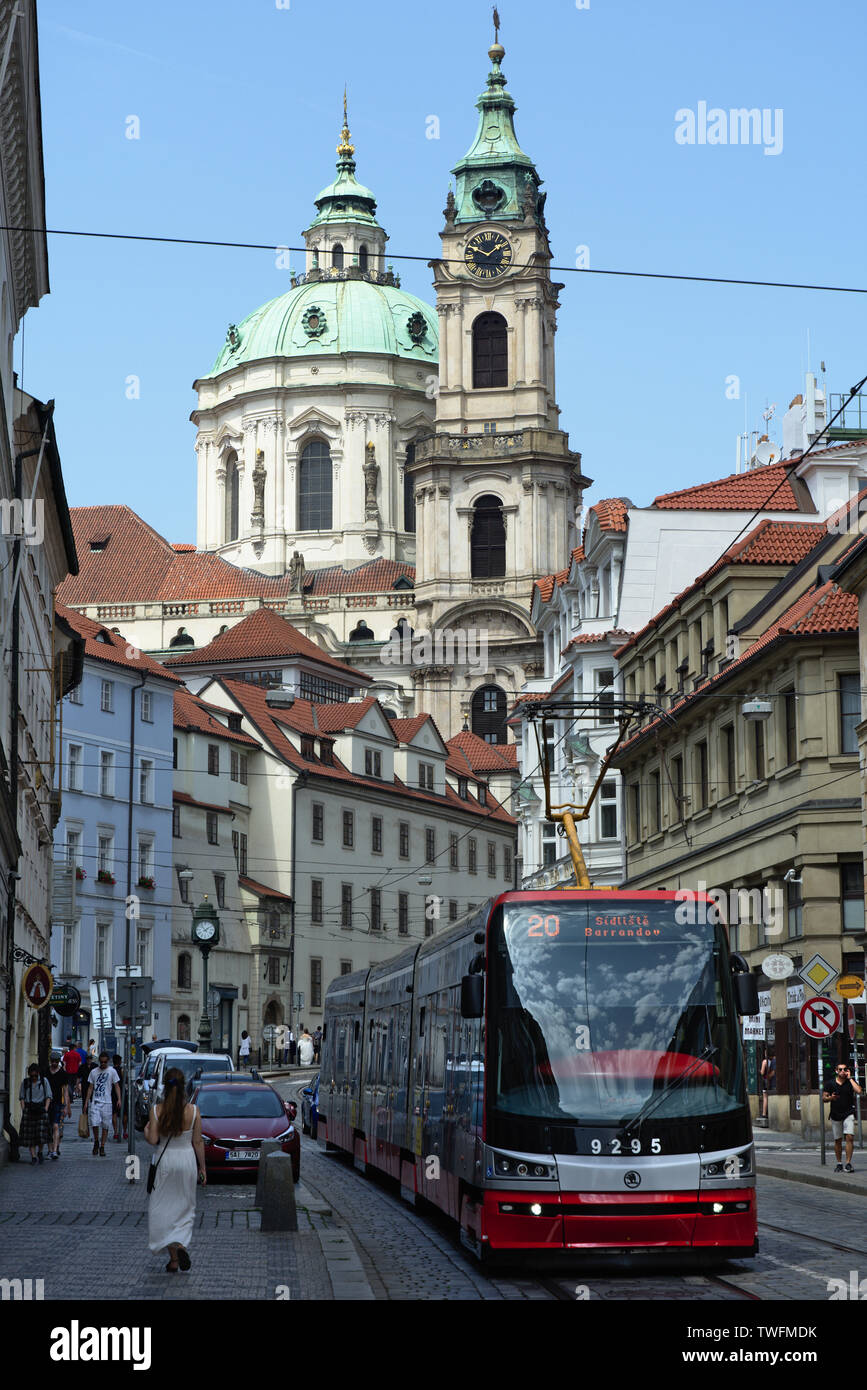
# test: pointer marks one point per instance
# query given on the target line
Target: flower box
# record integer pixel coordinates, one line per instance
(146, 882)
(103, 876)
(80, 875)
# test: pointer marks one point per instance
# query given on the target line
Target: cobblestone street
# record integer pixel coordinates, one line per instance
(358, 1240)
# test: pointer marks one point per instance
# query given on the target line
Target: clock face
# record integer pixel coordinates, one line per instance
(488, 255)
(205, 931)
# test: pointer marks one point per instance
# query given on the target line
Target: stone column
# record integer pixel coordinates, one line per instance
(520, 346)
(443, 311)
(535, 365)
(220, 519)
(464, 334)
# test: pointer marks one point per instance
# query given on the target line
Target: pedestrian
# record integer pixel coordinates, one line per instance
(59, 1105)
(102, 1083)
(244, 1050)
(305, 1049)
(769, 1078)
(293, 1047)
(288, 1040)
(83, 1073)
(35, 1096)
(279, 1042)
(71, 1065)
(176, 1127)
(117, 1105)
(91, 1050)
(841, 1094)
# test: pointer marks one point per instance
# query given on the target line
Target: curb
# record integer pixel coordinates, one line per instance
(348, 1279)
(811, 1179)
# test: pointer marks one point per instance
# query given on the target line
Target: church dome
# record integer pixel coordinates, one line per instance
(333, 317)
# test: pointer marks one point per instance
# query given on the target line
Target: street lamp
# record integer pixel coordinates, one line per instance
(206, 935)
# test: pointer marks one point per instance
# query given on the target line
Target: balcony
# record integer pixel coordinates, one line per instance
(852, 424)
(349, 272)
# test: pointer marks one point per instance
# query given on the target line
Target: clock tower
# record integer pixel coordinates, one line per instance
(496, 484)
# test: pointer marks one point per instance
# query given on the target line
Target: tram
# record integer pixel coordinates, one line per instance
(562, 1070)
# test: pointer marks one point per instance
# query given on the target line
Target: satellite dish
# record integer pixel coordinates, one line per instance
(766, 452)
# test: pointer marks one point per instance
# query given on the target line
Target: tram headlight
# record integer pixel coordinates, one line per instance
(725, 1167)
(506, 1167)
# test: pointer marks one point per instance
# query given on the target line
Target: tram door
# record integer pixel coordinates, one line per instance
(418, 1082)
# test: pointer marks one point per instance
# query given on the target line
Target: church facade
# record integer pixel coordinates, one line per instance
(388, 475)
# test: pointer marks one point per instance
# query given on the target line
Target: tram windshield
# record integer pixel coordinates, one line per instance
(601, 1012)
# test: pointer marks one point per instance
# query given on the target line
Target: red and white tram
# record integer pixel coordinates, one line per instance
(560, 1071)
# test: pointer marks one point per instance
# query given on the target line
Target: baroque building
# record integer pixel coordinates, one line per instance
(388, 476)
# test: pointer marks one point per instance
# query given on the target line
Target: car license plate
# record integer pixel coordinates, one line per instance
(237, 1154)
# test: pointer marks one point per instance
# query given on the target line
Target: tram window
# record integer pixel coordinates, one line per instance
(421, 1014)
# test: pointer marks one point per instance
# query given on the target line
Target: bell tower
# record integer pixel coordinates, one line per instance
(496, 485)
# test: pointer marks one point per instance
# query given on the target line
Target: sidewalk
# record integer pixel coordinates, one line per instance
(79, 1224)
(780, 1154)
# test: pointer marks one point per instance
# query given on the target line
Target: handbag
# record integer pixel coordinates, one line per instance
(152, 1171)
(83, 1126)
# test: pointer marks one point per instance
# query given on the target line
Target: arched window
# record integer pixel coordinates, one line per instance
(185, 971)
(490, 353)
(488, 711)
(361, 633)
(314, 487)
(273, 1012)
(337, 255)
(182, 639)
(409, 492)
(362, 257)
(488, 540)
(184, 1028)
(232, 486)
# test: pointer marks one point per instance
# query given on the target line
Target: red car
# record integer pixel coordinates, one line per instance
(236, 1116)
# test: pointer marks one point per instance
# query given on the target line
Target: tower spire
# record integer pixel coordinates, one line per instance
(345, 149)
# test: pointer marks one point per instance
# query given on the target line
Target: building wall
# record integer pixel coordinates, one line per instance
(90, 813)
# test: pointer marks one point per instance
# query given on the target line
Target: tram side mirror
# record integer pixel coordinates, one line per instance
(472, 996)
(746, 994)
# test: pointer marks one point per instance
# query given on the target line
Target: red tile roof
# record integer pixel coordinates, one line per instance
(405, 730)
(770, 487)
(139, 565)
(262, 636)
(271, 722)
(475, 755)
(260, 890)
(585, 638)
(824, 612)
(374, 576)
(104, 645)
(611, 513)
(202, 805)
(193, 713)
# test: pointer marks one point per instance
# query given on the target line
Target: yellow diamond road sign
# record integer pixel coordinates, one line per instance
(819, 973)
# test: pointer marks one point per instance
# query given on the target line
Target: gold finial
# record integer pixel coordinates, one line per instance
(496, 52)
(345, 149)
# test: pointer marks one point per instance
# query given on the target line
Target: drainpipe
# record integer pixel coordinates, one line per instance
(300, 781)
(128, 1040)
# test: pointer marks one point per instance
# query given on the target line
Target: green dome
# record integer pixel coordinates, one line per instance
(333, 317)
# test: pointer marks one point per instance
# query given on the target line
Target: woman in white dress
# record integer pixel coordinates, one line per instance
(175, 1128)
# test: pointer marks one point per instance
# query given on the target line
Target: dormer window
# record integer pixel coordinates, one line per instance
(307, 749)
(462, 788)
(100, 544)
(235, 723)
(326, 752)
(482, 793)
(426, 776)
(372, 763)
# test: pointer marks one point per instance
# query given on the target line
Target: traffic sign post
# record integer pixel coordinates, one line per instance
(820, 1018)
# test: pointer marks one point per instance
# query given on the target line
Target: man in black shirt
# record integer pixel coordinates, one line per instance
(841, 1094)
(58, 1081)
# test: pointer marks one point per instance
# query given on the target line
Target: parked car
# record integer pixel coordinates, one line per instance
(310, 1107)
(236, 1117)
(151, 1083)
(169, 1042)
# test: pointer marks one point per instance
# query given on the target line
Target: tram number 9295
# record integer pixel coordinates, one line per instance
(617, 1147)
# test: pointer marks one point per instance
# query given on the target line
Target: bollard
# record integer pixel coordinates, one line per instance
(278, 1202)
(268, 1146)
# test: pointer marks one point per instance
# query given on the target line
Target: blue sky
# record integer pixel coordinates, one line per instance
(239, 105)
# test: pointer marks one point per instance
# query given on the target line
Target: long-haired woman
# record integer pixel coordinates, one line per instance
(174, 1128)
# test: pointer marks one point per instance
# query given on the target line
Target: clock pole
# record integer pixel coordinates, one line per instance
(206, 934)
